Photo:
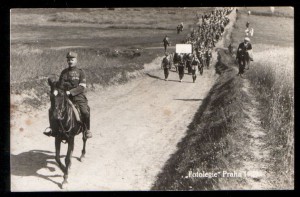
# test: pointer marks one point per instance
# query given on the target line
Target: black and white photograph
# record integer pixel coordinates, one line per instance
(151, 99)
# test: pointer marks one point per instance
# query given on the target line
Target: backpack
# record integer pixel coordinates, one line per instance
(165, 62)
(194, 62)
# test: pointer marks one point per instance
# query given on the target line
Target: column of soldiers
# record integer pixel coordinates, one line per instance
(210, 30)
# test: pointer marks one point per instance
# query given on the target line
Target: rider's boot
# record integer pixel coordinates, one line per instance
(88, 133)
(49, 133)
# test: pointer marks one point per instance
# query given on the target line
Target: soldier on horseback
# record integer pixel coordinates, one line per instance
(73, 81)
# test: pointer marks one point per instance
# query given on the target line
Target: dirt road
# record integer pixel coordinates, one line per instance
(136, 127)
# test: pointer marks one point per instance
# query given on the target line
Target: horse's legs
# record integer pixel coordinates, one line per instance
(57, 153)
(83, 149)
(68, 160)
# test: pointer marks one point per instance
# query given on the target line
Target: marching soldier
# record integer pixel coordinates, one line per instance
(166, 42)
(195, 63)
(181, 66)
(165, 64)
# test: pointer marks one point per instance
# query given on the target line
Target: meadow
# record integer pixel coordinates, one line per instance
(110, 43)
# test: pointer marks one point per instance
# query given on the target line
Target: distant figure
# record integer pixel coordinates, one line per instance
(230, 48)
(165, 64)
(249, 32)
(272, 9)
(181, 66)
(180, 28)
(195, 63)
(247, 24)
(166, 42)
(249, 12)
(243, 56)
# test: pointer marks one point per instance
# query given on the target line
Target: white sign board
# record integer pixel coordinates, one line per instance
(183, 48)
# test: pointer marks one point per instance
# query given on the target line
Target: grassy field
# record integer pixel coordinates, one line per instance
(40, 39)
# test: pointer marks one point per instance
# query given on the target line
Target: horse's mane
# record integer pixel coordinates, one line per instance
(69, 125)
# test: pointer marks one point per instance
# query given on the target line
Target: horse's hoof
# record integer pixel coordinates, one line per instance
(81, 159)
(64, 184)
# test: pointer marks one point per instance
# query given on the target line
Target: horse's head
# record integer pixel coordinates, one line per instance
(60, 104)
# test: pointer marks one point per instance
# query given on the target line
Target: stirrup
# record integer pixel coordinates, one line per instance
(48, 132)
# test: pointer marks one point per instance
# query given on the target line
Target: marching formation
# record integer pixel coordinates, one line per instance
(210, 30)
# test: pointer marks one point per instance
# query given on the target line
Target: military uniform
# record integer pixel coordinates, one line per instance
(242, 55)
(73, 79)
(166, 66)
(181, 65)
(194, 64)
(166, 42)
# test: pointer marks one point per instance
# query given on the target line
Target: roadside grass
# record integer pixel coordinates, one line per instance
(272, 76)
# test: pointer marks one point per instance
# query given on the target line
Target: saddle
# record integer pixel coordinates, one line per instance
(76, 110)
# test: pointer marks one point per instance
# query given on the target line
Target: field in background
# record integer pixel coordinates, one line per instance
(272, 76)
(41, 37)
(111, 44)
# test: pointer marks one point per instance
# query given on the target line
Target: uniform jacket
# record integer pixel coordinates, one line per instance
(73, 79)
(166, 41)
(242, 50)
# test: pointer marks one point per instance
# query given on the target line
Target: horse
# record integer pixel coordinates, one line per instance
(66, 126)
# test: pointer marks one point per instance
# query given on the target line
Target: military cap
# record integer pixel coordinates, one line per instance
(72, 55)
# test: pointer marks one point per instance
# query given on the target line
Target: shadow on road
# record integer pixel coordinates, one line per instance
(28, 163)
(153, 76)
(188, 99)
(156, 77)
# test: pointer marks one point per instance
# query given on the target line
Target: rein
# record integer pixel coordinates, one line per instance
(69, 119)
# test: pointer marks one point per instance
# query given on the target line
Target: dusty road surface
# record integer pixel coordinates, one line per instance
(135, 128)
